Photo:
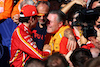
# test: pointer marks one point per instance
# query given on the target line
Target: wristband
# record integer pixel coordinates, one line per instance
(83, 45)
(48, 51)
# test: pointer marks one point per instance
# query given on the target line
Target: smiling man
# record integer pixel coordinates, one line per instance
(60, 34)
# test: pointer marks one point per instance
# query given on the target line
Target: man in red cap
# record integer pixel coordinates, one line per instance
(22, 44)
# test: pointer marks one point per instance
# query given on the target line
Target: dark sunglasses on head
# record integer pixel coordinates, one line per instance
(40, 15)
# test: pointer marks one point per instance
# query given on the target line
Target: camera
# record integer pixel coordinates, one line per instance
(86, 19)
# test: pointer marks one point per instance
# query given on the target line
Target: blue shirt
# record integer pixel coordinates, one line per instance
(39, 35)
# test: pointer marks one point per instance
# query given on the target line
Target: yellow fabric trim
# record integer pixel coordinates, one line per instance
(16, 54)
(56, 39)
(28, 45)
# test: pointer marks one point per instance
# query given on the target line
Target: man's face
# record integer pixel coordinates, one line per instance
(95, 42)
(33, 22)
(52, 25)
(42, 10)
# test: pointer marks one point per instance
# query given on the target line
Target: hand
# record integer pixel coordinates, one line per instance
(68, 33)
(80, 2)
(71, 45)
(47, 47)
(95, 52)
(98, 33)
(16, 18)
(83, 40)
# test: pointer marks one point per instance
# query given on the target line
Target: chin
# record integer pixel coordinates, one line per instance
(42, 22)
(48, 31)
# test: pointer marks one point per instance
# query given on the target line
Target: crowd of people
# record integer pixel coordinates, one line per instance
(50, 33)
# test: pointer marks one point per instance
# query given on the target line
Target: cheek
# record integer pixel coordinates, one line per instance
(55, 28)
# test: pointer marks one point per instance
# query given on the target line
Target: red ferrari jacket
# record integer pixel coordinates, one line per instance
(23, 47)
(88, 45)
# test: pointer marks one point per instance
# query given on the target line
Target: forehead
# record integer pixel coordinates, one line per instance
(52, 17)
(92, 38)
(42, 8)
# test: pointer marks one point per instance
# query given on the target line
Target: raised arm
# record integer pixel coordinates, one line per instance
(70, 4)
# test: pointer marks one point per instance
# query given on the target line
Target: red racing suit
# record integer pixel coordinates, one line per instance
(23, 47)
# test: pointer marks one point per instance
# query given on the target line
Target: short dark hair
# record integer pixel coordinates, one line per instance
(72, 11)
(93, 62)
(80, 56)
(25, 19)
(61, 15)
(56, 60)
(32, 62)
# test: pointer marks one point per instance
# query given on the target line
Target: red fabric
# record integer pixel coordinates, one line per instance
(22, 47)
(29, 10)
(63, 46)
(75, 35)
(88, 46)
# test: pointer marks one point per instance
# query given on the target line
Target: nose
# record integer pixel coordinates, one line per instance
(41, 17)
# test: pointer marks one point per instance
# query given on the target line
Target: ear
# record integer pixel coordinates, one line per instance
(60, 24)
(70, 23)
(30, 20)
(89, 38)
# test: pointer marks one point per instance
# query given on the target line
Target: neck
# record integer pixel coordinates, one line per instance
(40, 25)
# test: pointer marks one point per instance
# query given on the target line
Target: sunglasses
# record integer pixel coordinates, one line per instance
(42, 15)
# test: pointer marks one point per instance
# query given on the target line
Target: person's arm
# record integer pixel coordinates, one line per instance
(15, 10)
(27, 45)
(8, 5)
(15, 13)
(71, 45)
(63, 46)
(66, 8)
(83, 40)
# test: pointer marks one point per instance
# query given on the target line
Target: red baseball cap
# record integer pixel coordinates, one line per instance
(28, 10)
